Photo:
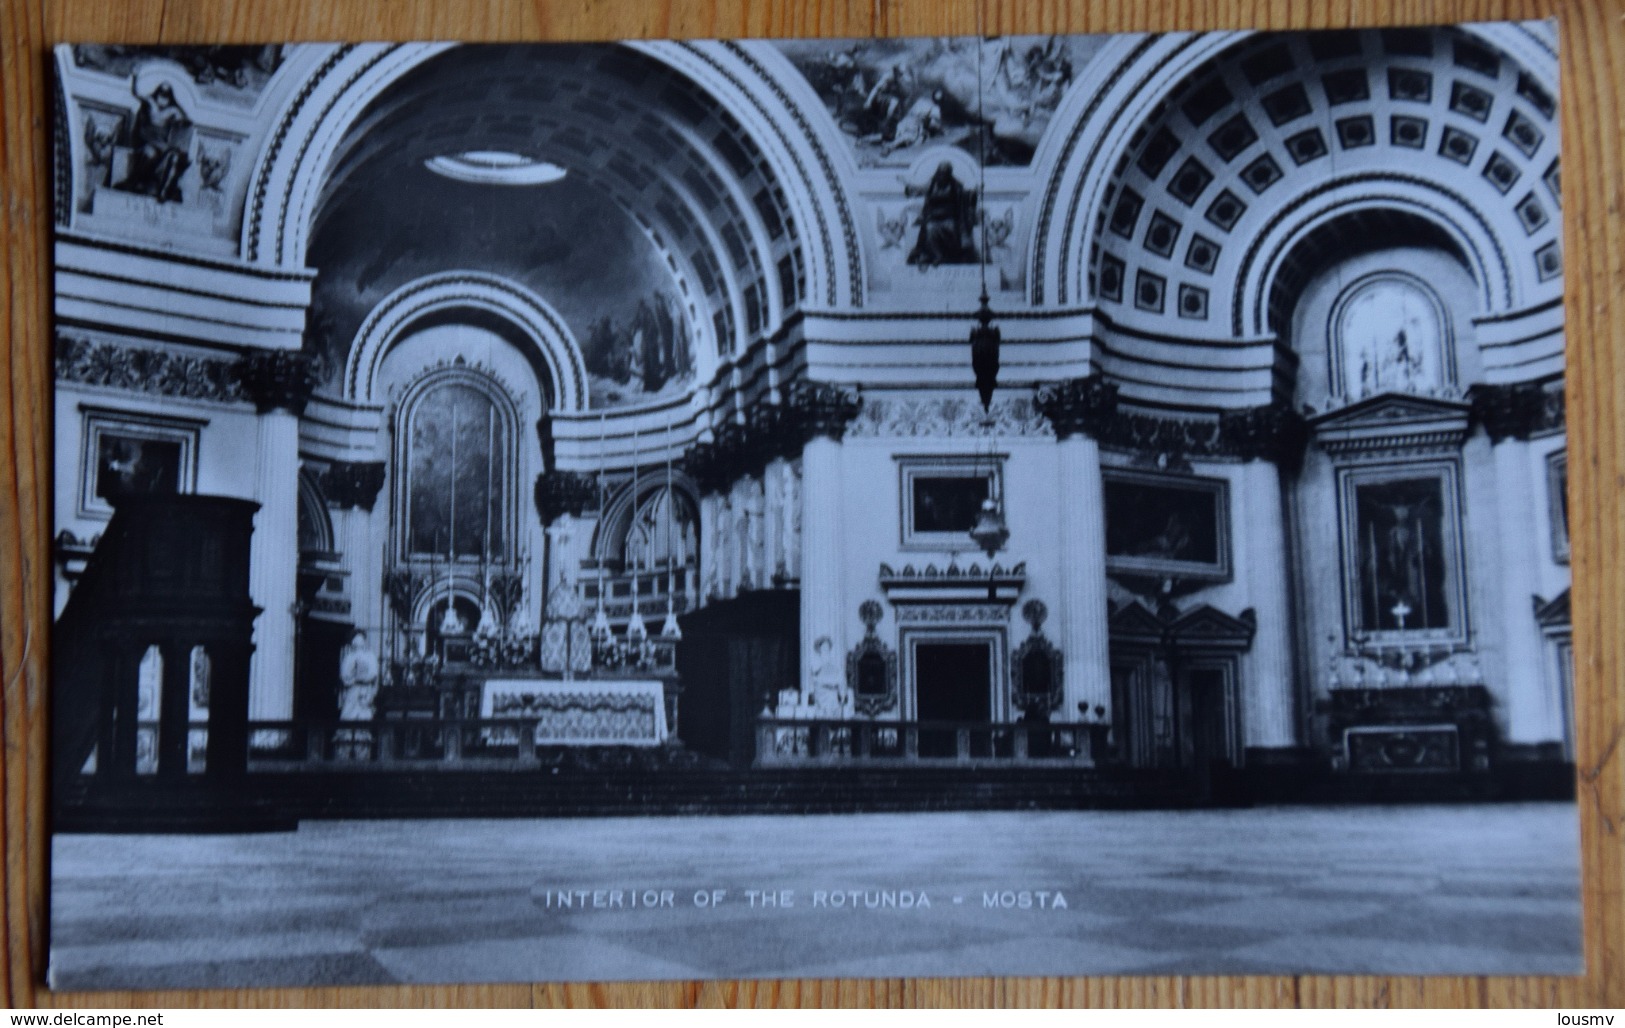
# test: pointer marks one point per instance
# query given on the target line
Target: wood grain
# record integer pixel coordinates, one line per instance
(1593, 38)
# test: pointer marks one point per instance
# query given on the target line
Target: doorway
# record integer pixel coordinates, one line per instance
(1208, 737)
(953, 681)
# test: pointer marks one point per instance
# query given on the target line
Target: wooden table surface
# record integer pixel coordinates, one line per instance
(1593, 41)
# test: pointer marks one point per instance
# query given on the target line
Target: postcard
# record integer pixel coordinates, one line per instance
(1058, 505)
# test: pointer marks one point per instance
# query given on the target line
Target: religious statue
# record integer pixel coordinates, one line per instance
(829, 696)
(160, 138)
(358, 675)
(755, 534)
(947, 221)
(722, 578)
(792, 515)
(828, 699)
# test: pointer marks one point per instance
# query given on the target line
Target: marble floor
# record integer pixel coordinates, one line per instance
(1482, 889)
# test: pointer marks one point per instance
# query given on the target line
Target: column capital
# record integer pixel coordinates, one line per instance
(564, 492)
(349, 485)
(1078, 406)
(1517, 410)
(278, 379)
(769, 431)
(1273, 432)
(820, 409)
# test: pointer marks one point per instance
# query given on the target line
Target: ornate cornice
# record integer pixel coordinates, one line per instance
(947, 416)
(97, 362)
(1079, 406)
(349, 485)
(1275, 433)
(1089, 406)
(276, 379)
(770, 431)
(564, 492)
(993, 586)
(1518, 410)
(821, 409)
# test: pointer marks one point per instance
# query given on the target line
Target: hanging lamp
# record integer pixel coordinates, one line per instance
(990, 533)
(984, 337)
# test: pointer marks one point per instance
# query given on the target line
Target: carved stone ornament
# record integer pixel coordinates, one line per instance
(821, 409)
(278, 379)
(351, 485)
(871, 667)
(564, 492)
(97, 362)
(996, 584)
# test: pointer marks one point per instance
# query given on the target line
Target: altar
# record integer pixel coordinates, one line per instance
(583, 712)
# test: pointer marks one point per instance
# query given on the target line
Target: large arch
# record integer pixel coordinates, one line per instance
(761, 133)
(1461, 228)
(468, 291)
(1187, 183)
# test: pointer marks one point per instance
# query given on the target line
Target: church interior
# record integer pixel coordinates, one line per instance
(1154, 419)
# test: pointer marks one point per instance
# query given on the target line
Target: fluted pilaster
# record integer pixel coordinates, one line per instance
(822, 562)
(274, 566)
(1533, 712)
(1082, 611)
(1269, 705)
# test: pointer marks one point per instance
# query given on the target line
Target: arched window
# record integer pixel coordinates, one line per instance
(663, 532)
(455, 452)
(1390, 335)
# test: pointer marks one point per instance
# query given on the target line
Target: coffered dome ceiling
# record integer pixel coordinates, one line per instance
(1252, 137)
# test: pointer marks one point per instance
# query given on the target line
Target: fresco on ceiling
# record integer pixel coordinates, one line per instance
(233, 73)
(893, 98)
(566, 242)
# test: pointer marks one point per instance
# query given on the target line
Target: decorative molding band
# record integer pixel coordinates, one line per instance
(278, 379)
(1274, 432)
(947, 417)
(952, 613)
(1089, 406)
(564, 492)
(771, 431)
(990, 587)
(351, 485)
(137, 369)
(1518, 410)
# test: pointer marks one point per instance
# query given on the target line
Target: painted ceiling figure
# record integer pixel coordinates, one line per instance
(160, 138)
(922, 122)
(946, 221)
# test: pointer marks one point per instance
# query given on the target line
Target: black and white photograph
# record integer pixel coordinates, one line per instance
(811, 508)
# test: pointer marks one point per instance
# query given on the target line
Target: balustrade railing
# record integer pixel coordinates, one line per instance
(506, 743)
(791, 742)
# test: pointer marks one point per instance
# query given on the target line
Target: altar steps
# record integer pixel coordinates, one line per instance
(279, 801)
